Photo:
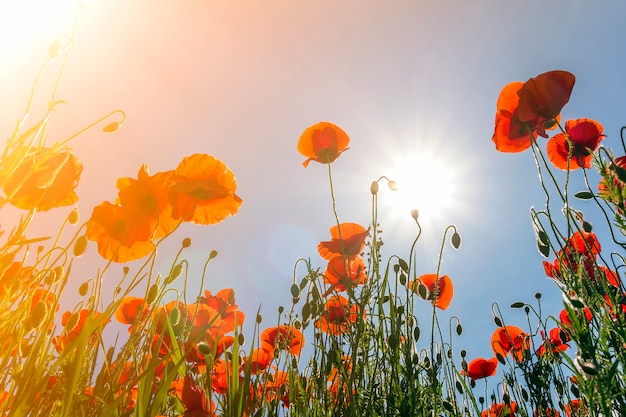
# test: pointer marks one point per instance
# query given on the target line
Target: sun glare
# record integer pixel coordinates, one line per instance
(24, 23)
(424, 183)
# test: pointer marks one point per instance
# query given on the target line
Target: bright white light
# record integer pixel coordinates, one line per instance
(25, 23)
(425, 183)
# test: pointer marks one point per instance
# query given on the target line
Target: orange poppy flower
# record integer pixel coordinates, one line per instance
(583, 138)
(203, 191)
(500, 410)
(224, 303)
(337, 316)
(510, 134)
(544, 96)
(258, 361)
(350, 243)
(72, 329)
(44, 179)
(277, 385)
(195, 400)
(510, 339)
(125, 231)
(323, 142)
(439, 291)
(344, 272)
(481, 368)
(283, 337)
(130, 308)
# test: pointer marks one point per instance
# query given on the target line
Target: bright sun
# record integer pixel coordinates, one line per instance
(424, 183)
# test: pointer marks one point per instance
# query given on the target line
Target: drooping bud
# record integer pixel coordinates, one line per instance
(393, 186)
(374, 187)
(414, 214)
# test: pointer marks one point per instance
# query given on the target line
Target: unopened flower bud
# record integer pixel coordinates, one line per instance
(374, 187)
(393, 185)
(414, 214)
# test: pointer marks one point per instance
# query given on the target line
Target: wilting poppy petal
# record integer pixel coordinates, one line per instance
(203, 191)
(323, 142)
(585, 136)
(481, 368)
(44, 179)
(543, 96)
(350, 243)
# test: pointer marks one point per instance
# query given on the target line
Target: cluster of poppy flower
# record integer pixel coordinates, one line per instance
(324, 142)
(200, 190)
(524, 111)
(209, 327)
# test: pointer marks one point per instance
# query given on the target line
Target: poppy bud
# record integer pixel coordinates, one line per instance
(414, 214)
(374, 187)
(73, 217)
(393, 186)
(186, 242)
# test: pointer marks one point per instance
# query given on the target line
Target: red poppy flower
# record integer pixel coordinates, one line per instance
(584, 136)
(555, 343)
(526, 110)
(337, 316)
(438, 290)
(344, 272)
(500, 410)
(283, 337)
(130, 308)
(195, 400)
(323, 142)
(544, 96)
(203, 191)
(45, 178)
(573, 407)
(348, 239)
(580, 251)
(277, 385)
(510, 339)
(258, 361)
(481, 368)
(510, 134)
(566, 319)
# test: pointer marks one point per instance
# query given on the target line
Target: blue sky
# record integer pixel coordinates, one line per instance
(242, 80)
